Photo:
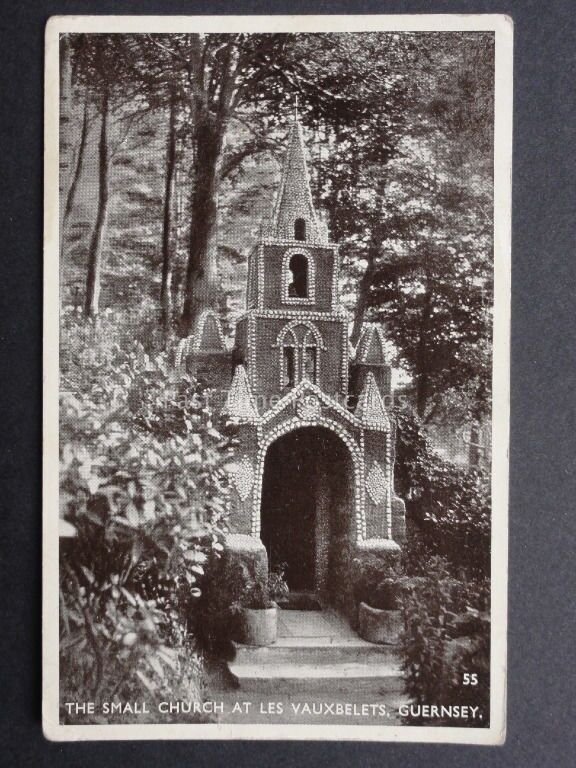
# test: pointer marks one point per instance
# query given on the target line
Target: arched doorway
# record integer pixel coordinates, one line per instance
(307, 509)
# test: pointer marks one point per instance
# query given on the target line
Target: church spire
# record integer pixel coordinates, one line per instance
(294, 217)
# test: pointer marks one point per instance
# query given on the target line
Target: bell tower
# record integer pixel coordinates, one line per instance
(294, 328)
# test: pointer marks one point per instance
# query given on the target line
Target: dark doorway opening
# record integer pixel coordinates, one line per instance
(307, 508)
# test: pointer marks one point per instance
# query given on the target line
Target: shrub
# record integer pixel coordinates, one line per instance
(447, 635)
(447, 506)
(117, 647)
(145, 493)
(277, 585)
(377, 582)
(255, 586)
(258, 588)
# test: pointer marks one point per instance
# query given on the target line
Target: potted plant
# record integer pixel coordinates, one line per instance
(257, 613)
(277, 585)
(380, 615)
(378, 587)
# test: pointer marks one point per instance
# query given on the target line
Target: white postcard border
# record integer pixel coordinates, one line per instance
(502, 26)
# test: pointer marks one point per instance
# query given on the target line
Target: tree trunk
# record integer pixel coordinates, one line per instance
(165, 289)
(361, 304)
(368, 276)
(422, 374)
(65, 137)
(422, 393)
(474, 447)
(65, 111)
(201, 286)
(91, 304)
(73, 186)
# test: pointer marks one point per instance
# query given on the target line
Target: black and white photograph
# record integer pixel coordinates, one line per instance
(276, 336)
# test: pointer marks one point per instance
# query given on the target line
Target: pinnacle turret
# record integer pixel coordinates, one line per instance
(370, 409)
(371, 349)
(240, 405)
(294, 217)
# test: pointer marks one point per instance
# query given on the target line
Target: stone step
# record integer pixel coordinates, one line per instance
(317, 651)
(334, 678)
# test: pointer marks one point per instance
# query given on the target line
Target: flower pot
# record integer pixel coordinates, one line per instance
(258, 626)
(379, 626)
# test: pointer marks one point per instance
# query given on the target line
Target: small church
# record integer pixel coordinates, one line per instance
(313, 481)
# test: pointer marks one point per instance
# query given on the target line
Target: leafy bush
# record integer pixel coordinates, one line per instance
(446, 559)
(255, 586)
(447, 635)
(277, 585)
(377, 583)
(145, 493)
(447, 506)
(446, 625)
(117, 647)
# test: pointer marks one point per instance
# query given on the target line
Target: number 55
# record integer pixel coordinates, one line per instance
(469, 678)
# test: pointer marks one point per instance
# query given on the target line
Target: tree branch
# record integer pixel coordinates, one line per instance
(235, 159)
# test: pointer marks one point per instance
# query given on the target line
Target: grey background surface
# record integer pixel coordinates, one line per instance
(541, 673)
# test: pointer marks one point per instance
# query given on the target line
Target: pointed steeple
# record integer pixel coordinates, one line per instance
(240, 405)
(370, 409)
(371, 349)
(294, 217)
(209, 336)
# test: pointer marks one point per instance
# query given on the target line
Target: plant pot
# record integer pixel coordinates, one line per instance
(379, 626)
(258, 626)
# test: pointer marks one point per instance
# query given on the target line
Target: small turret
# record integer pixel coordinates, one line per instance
(370, 409)
(240, 405)
(205, 354)
(371, 358)
(209, 336)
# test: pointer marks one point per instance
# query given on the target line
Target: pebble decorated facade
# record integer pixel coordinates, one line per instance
(295, 373)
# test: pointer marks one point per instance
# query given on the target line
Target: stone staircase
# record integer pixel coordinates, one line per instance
(317, 652)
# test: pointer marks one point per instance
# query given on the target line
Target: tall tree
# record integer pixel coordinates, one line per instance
(97, 71)
(416, 225)
(166, 285)
(93, 278)
(100, 65)
(72, 153)
(76, 173)
(223, 71)
(226, 78)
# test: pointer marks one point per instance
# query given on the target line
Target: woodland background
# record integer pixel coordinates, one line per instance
(170, 153)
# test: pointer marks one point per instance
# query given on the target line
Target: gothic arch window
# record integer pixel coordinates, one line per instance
(289, 359)
(298, 277)
(300, 229)
(300, 343)
(310, 357)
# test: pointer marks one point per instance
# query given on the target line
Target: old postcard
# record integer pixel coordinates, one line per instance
(277, 287)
